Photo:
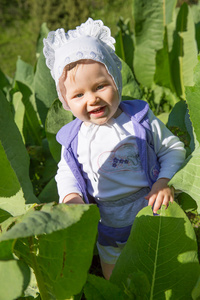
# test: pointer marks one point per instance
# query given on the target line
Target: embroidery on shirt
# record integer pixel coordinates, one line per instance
(154, 172)
(123, 158)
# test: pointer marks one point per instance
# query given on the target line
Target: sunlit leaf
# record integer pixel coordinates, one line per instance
(24, 73)
(150, 17)
(61, 239)
(15, 152)
(14, 279)
(100, 289)
(164, 248)
(131, 89)
(187, 179)
(45, 91)
(57, 117)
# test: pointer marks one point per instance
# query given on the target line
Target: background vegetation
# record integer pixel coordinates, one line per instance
(40, 256)
(20, 22)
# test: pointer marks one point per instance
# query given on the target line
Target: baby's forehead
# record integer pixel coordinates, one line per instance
(82, 63)
(71, 69)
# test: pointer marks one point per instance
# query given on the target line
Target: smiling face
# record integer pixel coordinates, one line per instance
(91, 93)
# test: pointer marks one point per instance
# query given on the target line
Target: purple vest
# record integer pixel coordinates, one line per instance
(137, 110)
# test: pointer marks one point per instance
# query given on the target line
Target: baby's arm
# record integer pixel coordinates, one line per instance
(73, 198)
(68, 189)
(160, 194)
(171, 154)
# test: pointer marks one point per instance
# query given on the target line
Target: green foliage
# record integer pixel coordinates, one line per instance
(46, 249)
(165, 45)
(124, 42)
(99, 289)
(20, 22)
(15, 159)
(162, 248)
(56, 118)
(17, 276)
(131, 89)
(12, 10)
(42, 239)
(44, 96)
(186, 179)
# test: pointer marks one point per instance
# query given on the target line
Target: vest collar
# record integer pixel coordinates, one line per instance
(133, 108)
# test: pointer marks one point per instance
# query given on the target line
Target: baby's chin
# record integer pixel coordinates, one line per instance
(99, 122)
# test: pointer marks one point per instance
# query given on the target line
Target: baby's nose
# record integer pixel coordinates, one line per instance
(92, 99)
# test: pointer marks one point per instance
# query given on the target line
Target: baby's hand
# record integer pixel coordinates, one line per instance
(73, 198)
(160, 194)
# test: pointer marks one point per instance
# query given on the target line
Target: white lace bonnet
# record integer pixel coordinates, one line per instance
(91, 40)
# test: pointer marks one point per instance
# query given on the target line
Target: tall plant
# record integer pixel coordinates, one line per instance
(165, 53)
(46, 249)
(164, 50)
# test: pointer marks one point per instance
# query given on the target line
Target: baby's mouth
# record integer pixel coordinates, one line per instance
(97, 110)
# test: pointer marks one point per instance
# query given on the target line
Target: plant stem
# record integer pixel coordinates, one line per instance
(38, 274)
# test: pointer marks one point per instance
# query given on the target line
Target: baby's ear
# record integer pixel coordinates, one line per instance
(61, 84)
(62, 90)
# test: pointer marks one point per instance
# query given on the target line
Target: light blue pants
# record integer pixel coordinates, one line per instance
(117, 218)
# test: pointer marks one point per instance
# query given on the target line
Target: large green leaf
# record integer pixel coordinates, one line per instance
(14, 279)
(14, 205)
(190, 50)
(15, 152)
(196, 16)
(192, 94)
(24, 73)
(19, 112)
(49, 192)
(14, 274)
(42, 34)
(163, 76)
(56, 118)
(124, 42)
(49, 167)
(186, 202)
(4, 215)
(196, 291)
(187, 179)
(45, 91)
(31, 124)
(180, 125)
(150, 17)
(100, 289)
(184, 53)
(131, 89)
(61, 239)
(168, 7)
(4, 82)
(9, 184)
(24, 82)
(164, 248)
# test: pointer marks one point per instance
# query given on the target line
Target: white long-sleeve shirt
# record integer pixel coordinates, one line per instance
(110, 160)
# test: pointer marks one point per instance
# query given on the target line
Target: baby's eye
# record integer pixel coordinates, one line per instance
(101, 86)
(78, 95)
